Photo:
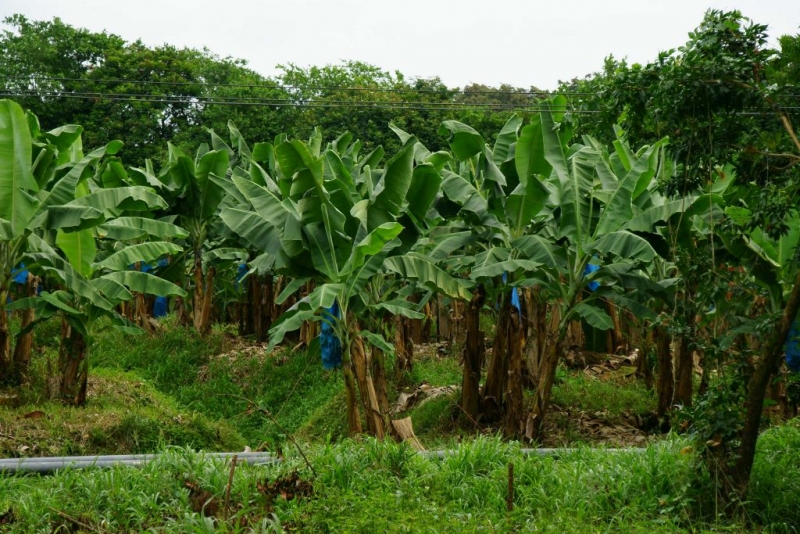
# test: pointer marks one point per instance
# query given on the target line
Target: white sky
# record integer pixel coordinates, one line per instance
(521, 42)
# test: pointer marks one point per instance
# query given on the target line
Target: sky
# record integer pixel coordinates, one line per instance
(525, 43)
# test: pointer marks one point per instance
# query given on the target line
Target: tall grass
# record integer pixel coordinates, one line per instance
(367, 486)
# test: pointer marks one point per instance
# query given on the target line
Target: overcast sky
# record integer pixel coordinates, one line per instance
(521, 42)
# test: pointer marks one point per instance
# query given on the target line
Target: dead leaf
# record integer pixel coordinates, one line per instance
(202, 501)
(37, 414)
(287, 488)
(7, 517)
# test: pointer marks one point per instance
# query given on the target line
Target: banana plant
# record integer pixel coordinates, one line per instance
(330, 218)
(499, 195)
(47, 186)
(595, 193)
(89, 290)
(194, 196)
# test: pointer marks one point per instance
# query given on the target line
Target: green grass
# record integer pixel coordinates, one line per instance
(611, 397)
(436, 370)
(175, 388)
(367, 486)
(124, 415)
(224, 378)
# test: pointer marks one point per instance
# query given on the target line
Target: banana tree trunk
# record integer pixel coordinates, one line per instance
(366, 386)
(403, 346)
(141, 315)
(378, 369)
(553, 348)
(497, 371)
(451, 321)
(643, 369)
(74, 366)
(256, 308)
(353, 413)
(442, 319)
(22, 350)
(415, 326)
(684, 367)
(536, 319)
(203, 314)
(181, 312)
(246, 307)
(474, 352)
(267, 303)
(308, 330)
(665, 384)
(617, 339)
(427, 323)
(5, 343)
(547, 376)
(514, 411)
(197, 300)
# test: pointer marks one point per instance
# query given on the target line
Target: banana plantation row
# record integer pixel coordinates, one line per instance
(544, 230)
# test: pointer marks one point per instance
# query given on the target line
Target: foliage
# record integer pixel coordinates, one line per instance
(121, 90)
(654, 491)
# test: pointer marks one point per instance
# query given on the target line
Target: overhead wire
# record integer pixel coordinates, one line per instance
(345, 88)
(288, 102)
(246, 99)
(321, 88)
(355, 104)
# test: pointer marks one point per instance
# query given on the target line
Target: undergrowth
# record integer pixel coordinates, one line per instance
(124, 415)
(368, 486)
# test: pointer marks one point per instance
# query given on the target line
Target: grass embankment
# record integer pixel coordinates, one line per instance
(224, 377)
(126, 416)
(167, 389)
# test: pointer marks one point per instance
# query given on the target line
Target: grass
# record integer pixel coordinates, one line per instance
(614, 398)
(199, 393)
(223, 377)
(124, 415)
(367, 486)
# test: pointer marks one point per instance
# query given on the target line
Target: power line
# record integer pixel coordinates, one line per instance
(396, 105)
(287, 86)
(245, 100)
(292, 87)
(346, 104)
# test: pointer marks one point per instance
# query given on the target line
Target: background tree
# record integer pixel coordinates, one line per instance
(723, 98)
(129, 91)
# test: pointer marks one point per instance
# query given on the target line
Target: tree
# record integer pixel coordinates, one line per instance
(129, 91)
(723, 100)
(51, 193)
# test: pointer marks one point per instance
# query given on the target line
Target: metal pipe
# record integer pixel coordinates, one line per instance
(536, 452)
(132, 457)
(49, 464)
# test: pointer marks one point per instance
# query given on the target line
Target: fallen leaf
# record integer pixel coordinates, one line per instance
(7, 517)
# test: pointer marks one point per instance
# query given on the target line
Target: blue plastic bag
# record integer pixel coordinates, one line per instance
(792, 347)
(241, 270)
(591, 268)
(160, 307)
(20, 274)
(330, 345)
(514, 294)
